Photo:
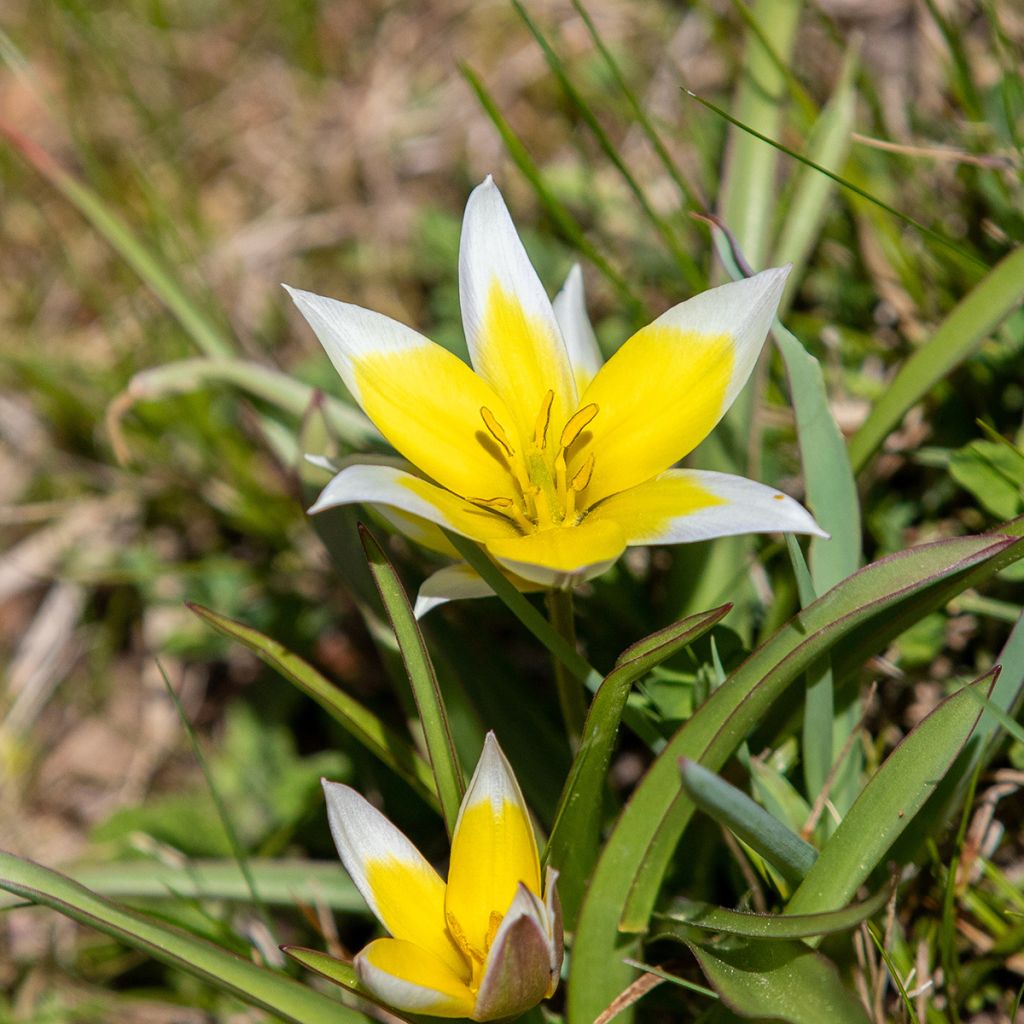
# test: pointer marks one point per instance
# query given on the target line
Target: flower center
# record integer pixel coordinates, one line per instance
(541, 493)
(476, 958)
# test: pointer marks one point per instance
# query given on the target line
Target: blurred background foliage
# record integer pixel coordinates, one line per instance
(167, 163)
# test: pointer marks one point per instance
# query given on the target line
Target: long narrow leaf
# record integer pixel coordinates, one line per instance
(575, 835)
(888, 803)
(635, 857)
(972, 320)
(748, 821)
(437, 732)
(364, 726)
(257, 986)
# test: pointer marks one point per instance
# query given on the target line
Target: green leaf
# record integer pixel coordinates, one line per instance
(437, 732)
(710, 918)
(779, 980)
(993, 473)
(359, 722)
(575, 836)
(971, 321)
(281, 882)
(748, 821)
(862, 610)
(889, 802)
(257, 986)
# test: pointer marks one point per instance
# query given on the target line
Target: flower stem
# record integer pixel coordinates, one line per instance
(570, 689)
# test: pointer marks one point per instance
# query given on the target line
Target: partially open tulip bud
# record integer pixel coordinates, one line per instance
(486, 945)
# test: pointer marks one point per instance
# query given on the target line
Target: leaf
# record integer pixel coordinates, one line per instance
(889, 802)
(748, 821)
(862, 610)
(282, 882)
(257, 986)
(359, 722)
(448, 778)
(971, 321)
(766, 926)
(575, 834)
(779, 980)
(993, 474)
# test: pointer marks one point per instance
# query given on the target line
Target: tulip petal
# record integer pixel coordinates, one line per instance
(459, 582)
(385, 485)
(423, 399)
(553, 906)
(404, 892)
(562, 556)
(660, 395)
(408, 977)
(689, 504)
(514, 339)
(493, 851)
(570, 306)
(519, 971)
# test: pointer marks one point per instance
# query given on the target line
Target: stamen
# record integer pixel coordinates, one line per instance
(502, 503)
(495, 429)
(577, 423)
(493, 924)
(583, 474)
(540, 431)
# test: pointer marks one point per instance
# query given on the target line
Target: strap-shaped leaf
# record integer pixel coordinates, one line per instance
(358, 721)
(255, 985)
(889, 802)
(779, 980)
(864, 607)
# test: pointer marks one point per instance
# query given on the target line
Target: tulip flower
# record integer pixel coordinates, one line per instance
(552, 460)
(486, 945)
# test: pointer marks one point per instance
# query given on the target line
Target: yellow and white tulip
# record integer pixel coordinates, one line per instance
(488, 943)
(551, 459)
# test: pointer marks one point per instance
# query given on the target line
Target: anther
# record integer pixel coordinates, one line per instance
(502, 503)
(540, 431)
(577, 424)
(583, 474)
(495, 429)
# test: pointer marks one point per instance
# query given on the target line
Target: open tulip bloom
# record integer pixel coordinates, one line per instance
(554, 462)
(486, 945)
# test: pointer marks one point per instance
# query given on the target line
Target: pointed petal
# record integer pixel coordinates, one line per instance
(400, 887)
(660, 395)
(493, 850)
(424, 400)
(384, 485)
(570, 307)
(513, 336)
(553, 906)
(460, 582)
(689, 504)
(411, 978)
(562, 556)
(518, 973)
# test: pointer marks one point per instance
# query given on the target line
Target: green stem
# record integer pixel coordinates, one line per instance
(570, 689)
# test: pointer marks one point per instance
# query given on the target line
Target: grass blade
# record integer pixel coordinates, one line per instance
(971, 321)
(684, 261)
(359, 722)
(255, 985)
(555, 209)
(748, 821)
(448, 777)
(208, 336)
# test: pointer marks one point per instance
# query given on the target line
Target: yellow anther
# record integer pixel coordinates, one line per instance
(491, 502)
(583, 474)
(540, 431)
(577, 423)
(496, 430)
(493, 924)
